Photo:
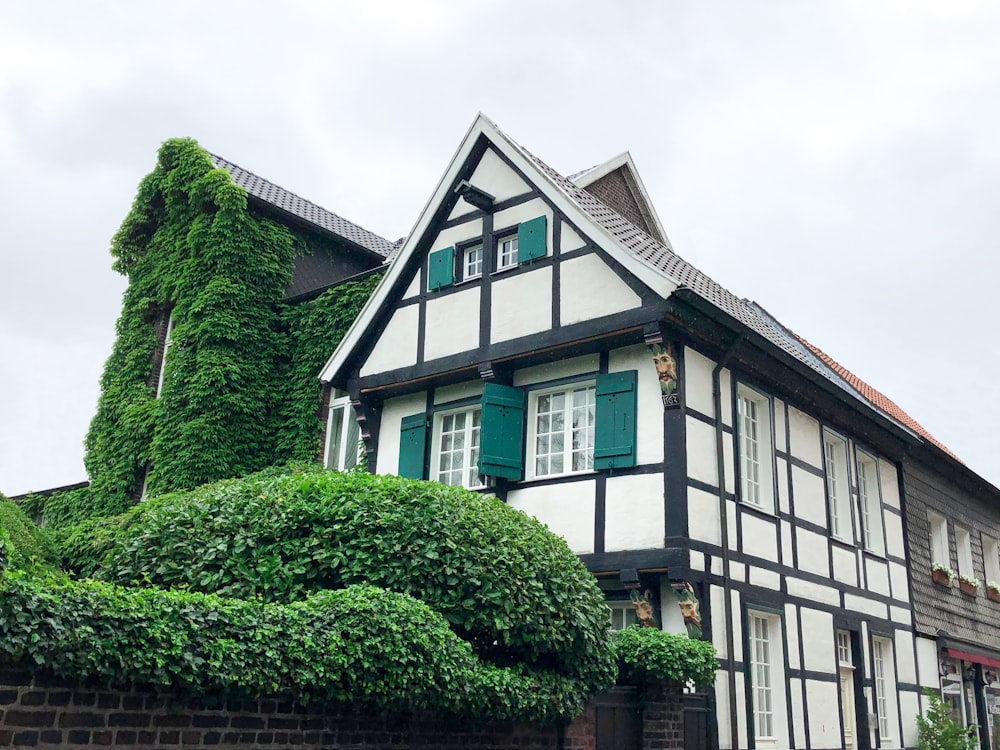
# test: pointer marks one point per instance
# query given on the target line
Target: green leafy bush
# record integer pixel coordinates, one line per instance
(647, 655)
(361, 645)
(505, 583)
(23, 544)
(936, 730)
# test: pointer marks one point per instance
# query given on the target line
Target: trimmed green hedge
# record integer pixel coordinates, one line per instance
(361, 645)
(22, 544)
(647, 655)
(505, 583)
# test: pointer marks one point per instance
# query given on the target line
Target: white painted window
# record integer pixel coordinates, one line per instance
(756, 457)
(939, 539)
(163, 359)
(767, 678)
(963, 542)
(991, 559)
(844, 649)
(343, 437)
(884, 682)
(838, 486)
(622, 614)
(870, 498)
(562, 430)
(472, 262)
(507, 252)
(456, 448)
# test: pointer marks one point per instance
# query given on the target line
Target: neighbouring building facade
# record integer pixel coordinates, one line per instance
(538, 339)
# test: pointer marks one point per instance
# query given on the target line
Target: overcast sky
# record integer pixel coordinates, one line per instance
(838, 162)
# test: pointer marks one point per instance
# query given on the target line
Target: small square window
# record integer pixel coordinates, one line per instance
(563, 430)
(507, 252)
(756, 455)
(472, 262)
(455, 456)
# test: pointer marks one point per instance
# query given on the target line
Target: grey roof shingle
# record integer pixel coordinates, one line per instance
(652, 252)
(308, 211)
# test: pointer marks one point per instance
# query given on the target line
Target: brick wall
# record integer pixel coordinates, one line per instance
(42, 711)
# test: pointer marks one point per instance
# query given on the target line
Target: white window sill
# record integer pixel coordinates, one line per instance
(541, 477)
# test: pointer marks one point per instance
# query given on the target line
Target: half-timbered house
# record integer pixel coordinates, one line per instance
(537, 338)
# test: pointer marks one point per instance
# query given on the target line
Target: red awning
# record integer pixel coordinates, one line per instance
(976, 658)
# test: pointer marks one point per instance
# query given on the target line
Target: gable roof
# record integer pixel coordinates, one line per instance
(290, 203)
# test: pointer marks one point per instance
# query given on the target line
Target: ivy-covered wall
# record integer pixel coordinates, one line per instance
(240, 389)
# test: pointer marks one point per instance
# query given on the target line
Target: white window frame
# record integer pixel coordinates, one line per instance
(342, 431)
(163, 358)
(845, 656)
(963, 544)
(468, 453)
(870, 502)
(837, 473)
(622, 613)
(766, 678)
(507, 252)
(991, 558)
(755, 447)
(940, 549)
(472, 267)
(568, 451)
(884, 688)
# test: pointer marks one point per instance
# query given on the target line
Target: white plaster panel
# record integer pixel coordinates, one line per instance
(494, 176)
(731, 522)
(861, 604)
(781, 466)
(468, 230)
(813, 552)
(804, 437)
(393, 411)
(824, 713)
(729, 459)
(877, 575)
(722, 701)
(397, 345)
(894, 534)
(810, 496)
(909, 709)
(902, 615)
(899, 579)
(522, 305)
(818, 649)
(792, 635)
(700, 446)
(927, 663)
(716, 565)
(715, 596)
(906, 666)
(760, 536)
(448, 393)
(564, 368)
(522, 212)
(671, 619)
(779, 425)
(737, 625)
(634, 513)
(738, 571)
(813, 591)
(461, 208)
(452, 324)
(767, 579)
(889, 483)
(413, 289)
(567, 509)
(590, 289)
(742, 725)
(698, 382)
(697, 561)
(569, 240)
(649, 420)
(726, 386)
(786, 542)
(845, 565)
(798, 713)
(703, 516)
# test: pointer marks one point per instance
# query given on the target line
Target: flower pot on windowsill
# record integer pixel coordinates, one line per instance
(993, 594)
(941, 577)
(967, 587)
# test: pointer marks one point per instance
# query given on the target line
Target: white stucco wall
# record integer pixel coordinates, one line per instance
(633, 512)
(496, 178)
(452, 324)
(567, 509)
(397, 346)
(590, 289)
(522, 305)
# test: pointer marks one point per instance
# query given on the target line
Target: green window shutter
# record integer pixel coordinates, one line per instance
(614, 429)
(412, 446)
(531, 239)
(441, 268)
(501, 437)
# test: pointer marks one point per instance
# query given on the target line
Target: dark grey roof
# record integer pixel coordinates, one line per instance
(652, 252)
(308, 211)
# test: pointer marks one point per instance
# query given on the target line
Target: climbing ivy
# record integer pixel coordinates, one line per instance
(240, 389)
